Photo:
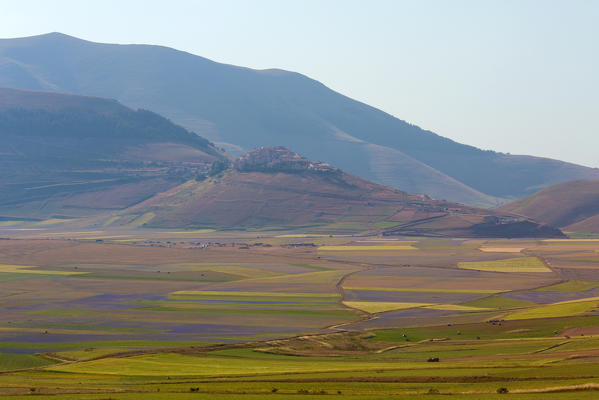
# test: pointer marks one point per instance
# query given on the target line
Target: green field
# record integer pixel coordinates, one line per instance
(344, 317)
(563, 309)
(570, 286)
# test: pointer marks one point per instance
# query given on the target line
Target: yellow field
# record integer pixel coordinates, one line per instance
(425, 290)
(561, 309)
(501, 249)
(27, 269)
(455, 307)
(382, 306)
(526, 264)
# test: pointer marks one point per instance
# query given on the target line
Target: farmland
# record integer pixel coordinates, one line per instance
(241, 315)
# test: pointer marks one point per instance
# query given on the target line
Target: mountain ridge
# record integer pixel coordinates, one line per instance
(57, 149)
(243, 108)
(573, 206)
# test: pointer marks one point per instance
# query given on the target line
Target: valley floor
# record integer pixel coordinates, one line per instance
(249, 315)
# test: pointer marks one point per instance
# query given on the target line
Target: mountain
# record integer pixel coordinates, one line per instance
(75, 155)
(573, 206)
(274, 187)
(241, 109)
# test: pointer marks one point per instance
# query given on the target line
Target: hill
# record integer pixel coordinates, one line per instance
(573, 206)
(74, 155)
(274, 187)
(240, 109)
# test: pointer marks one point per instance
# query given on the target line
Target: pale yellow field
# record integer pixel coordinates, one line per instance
(382, 306)
(424, 290)
(455, 307)
(27, 269)
(526, 264)
(562, 309)
(502, 249)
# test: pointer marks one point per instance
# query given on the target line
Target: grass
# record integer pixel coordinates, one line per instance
(386, 224)
(10, 362)
(233, 269)
(562, 309)
(480, 349)
(382, 306)
(183, 365)
(525, 264)
(314, 267)
(498, 302)
(9, 277)
(509, 329)
(346, 226)
(572, 286)
(367, 248)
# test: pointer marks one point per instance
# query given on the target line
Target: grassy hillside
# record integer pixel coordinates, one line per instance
(573, 206)
(243, 108)
(70, 155)
(273, 187)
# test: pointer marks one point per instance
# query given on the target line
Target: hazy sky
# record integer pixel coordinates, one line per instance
(516, 76)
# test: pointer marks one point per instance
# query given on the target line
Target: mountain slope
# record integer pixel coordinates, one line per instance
(242, 108)
(573, 206)
(274, 187)
(71, 155)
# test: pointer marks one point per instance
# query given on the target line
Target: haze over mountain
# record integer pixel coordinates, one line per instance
(241, 109)
(573, 206)
(103, 164)
(76, 155)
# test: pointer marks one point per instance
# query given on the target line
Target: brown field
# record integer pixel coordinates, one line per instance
(139, 301)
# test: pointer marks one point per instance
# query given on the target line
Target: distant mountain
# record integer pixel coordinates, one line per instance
(74, 155)
(573, 206)
(241, 109)
(274, 187)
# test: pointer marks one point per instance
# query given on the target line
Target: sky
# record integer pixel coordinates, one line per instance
(516, 76)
